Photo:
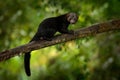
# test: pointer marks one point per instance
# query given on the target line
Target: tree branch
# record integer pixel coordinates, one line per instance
(92, 30)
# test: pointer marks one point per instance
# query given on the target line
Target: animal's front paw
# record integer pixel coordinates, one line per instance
(71, 32)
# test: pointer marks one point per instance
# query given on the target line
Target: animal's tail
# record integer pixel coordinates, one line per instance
(27, 56)
(27, 63)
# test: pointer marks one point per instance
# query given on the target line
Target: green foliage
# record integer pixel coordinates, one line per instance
(82, 59)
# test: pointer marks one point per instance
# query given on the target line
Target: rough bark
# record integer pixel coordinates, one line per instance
(79, 33)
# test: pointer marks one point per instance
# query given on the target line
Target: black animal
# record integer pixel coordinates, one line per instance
(47, 29)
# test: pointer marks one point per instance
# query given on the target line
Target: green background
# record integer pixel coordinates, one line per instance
(91, 58)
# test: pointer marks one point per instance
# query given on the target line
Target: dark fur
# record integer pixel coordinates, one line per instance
(46, 31)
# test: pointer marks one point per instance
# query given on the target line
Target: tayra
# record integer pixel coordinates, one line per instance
(48, 28)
